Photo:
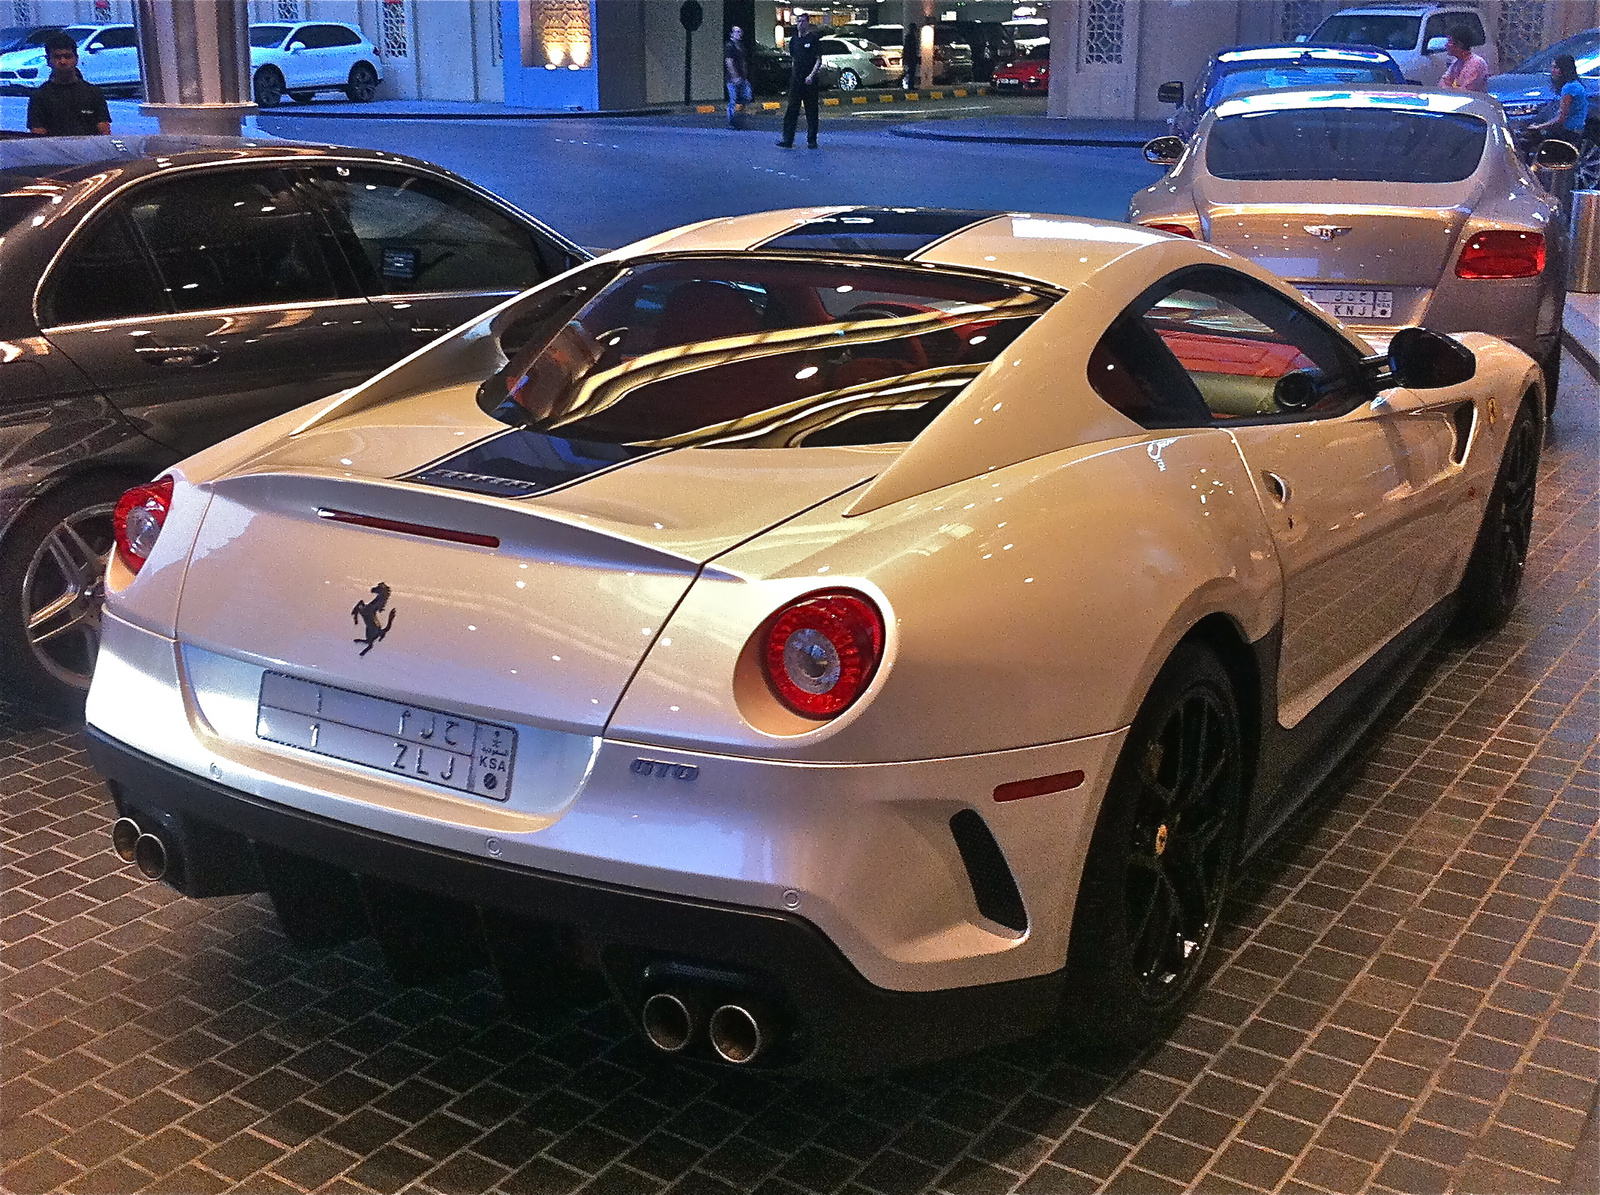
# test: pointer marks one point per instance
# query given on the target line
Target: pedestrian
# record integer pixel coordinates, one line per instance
(805, 53)
(911, 58)
(1572, 102)
(736, 62)
(65, 105)
(1468, 71)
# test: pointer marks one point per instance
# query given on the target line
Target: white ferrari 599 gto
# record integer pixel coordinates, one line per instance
(861, 634)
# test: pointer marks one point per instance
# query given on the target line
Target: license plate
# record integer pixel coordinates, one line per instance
(1353, 304)
(407, 740)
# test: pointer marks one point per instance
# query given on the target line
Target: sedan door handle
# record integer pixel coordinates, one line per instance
(177, 356)
(1276, 486)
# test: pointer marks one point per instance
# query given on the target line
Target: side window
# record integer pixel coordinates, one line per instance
(340, 36)
(104, 275)
(117, 39)
(834, 47)
(418, 235)
(1235, 350)
(305, 35)
(236, 239)
(1441, 23)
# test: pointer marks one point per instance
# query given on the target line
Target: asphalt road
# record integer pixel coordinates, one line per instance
(607, 181)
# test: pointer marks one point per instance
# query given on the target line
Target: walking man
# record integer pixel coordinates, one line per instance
(736, 61)
(1468, 71)
(65, 105)
(805, 51)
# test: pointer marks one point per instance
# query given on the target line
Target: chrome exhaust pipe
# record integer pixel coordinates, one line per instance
(123, 837)
(150, 855)
(670, 1020)
(738, 1034)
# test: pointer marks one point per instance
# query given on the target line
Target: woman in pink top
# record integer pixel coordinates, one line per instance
(1468, 71)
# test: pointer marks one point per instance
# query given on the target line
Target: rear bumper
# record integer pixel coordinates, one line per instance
(837, 1021)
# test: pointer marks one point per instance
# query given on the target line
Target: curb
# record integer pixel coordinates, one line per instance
(932, 132)
(1581, 353)
(883, 97)
(341, 113)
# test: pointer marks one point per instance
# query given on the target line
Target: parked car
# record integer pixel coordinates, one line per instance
(706, 611)
(188, 288)
(769, 69)
(859, 63)
(1030, 72)
(1029, 32)
(301, 60)
(991, 44)
(1524, 92)
(952, 56)
(1386, 206)
(22, 37)
(1413, 34)
(1256, 68)
(108, 57)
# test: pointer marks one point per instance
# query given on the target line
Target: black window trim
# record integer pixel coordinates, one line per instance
(1135, 312)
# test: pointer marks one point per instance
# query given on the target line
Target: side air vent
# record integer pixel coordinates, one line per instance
(1463, 417)
(992, 882)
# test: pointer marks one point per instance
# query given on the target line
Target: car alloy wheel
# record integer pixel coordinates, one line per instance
(63, 592)
(1493, 578)
(849, 80)
(1586, 174)
(268, 88)
(363, 83)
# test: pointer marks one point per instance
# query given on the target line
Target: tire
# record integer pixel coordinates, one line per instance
(1551, 367)
(849, 80)
(268, 87)
(363, 83)
(1493, 578)
(1586, 174)
(302, 97)
(52, 588)
(1161, 858)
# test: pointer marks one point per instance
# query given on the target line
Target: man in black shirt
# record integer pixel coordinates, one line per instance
(805, 50)
(736, 62)
(65, 105)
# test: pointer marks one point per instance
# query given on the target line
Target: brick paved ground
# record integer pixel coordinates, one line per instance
(1405, 1000)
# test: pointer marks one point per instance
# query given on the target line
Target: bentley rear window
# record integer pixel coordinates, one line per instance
(1382, 145)
(753, 352)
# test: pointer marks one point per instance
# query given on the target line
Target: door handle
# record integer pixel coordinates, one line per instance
(177, 356)
(1276, 486)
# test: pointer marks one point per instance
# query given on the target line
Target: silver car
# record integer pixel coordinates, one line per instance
(1385, 206)
(860, 63)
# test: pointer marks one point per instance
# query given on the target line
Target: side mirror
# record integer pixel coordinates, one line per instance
(1170, 93)
(93, 49)
(296, 47)
(1435, 46)
(1303, 37)
(1164, 151)
(1556, 155)
(1421, 359)
(1295, 391)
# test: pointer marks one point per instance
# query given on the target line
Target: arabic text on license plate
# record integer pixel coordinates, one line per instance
(421, 744)
(1354, 304)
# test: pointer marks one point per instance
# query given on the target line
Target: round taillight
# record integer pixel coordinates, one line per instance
(822, 650)
(138, 518)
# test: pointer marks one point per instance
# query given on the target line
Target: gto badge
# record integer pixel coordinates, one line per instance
(660, 768)
(1326, 232)
(367, 613)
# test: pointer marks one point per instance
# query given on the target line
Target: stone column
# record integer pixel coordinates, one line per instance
(195, 58)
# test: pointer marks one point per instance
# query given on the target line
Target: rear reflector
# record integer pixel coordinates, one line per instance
(422, 529)
(1037, 787)
(1179, 230)
(1502, 253)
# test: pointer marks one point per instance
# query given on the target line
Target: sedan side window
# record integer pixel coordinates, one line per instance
(104, 275)
(237, 239)
(1241, 351)
(419, 235)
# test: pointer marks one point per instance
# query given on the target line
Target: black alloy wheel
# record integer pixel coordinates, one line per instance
(363, 83)
(1493, 578)
(1161, 858)
(268, 87)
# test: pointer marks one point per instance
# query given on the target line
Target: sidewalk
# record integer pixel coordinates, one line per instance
(323, 109)
(1581, 332)
(125, 118)
(1036, 130)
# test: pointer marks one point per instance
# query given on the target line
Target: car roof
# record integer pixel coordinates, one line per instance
(1406, 8)
(1331, 51)
(1392, 96)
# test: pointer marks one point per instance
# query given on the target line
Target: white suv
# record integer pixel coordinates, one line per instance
(108, 56)
(1412, 33)
(301, 60)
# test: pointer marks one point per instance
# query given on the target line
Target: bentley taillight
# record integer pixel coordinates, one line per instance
(822, 650)
(138, 519)
(1502, 253)
(1182, 230)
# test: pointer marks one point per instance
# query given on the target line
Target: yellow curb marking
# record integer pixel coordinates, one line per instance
(959, 93)
(886, 99)
(770, 106)
(706, 108)
(936, 95)
(830, 103)
(858, 99)
(911, 95)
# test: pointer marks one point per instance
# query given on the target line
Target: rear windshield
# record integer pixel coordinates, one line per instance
(1388, 33)
(1346, 145)
(750, 352)
(14, 209)
(1296, 74)
(1584, 48)
(267, 36)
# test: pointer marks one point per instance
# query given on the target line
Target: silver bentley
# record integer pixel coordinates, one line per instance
(1385, 206)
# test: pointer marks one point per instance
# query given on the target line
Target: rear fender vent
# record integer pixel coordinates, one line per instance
(992, 882)
(1464, 416)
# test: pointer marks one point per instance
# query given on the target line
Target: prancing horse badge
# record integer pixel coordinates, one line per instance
(368, 612)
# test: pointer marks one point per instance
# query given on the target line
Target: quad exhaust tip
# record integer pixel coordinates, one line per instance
(133, 845)
(737, 1034)
(124, 837)
(669, 1021)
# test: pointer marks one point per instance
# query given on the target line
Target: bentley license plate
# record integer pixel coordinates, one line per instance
(408, 740)
(1353, 304)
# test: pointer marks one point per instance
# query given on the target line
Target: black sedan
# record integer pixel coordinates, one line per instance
(164, 293)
